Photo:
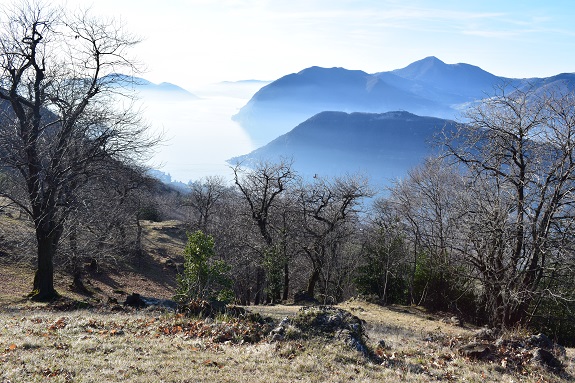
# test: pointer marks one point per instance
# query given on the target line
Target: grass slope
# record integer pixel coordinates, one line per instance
(151, 274)
(40, 342)
(38, 345)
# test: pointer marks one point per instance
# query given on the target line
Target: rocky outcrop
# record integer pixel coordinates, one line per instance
(513, 351)
(138, 301)
(476, 350)
(324, 321)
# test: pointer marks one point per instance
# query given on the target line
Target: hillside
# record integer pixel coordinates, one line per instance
(148, 90)
(452, 83)
(146, 346)
(383, 146)
(93, 338)
(284, 103)
(152, 274)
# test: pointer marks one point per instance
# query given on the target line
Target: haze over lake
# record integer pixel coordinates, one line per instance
(199, 133)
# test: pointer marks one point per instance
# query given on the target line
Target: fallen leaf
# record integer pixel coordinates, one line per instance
(212, 363)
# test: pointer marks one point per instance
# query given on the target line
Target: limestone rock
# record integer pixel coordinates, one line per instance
(475, 350)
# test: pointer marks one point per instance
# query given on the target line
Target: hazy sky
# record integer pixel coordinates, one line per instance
(190, 42)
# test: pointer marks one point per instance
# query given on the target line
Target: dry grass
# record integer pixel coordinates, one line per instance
(85, 346)
(152, 274)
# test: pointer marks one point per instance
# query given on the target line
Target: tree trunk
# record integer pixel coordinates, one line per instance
(79, 286)
(259, 286)
(44, 279)
(313, 279)
(286, 282)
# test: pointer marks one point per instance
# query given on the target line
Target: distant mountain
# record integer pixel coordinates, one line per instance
(562, 82)
(463, 82)
(148, 88)
(382, 146)
(167, 180)
(427, 87)
(281, 105)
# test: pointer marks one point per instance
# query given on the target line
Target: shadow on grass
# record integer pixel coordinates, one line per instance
(140, 274)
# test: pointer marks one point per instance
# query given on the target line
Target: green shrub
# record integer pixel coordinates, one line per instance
(203, 277)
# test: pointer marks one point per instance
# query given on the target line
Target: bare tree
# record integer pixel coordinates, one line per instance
(384, 262)
(519, 150)
(430, 204)
(106, 224)
(204, 197)
(262, 188)
(60, 114)
(328, 211)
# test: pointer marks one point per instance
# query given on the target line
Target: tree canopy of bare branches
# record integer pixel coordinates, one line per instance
(328, 209)
(519, 151)
(62, 120)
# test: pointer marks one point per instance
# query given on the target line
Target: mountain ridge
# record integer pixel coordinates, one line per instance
(425, 87)
(383, 146)
(141, 85)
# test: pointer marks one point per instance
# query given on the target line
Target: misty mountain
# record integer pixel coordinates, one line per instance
(166, 179)
(284, 103)
(382, 146)
(426, 87)
(145, 88)
(452, 83)
(564, 82)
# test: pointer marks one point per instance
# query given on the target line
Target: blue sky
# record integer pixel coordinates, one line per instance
(191, 42)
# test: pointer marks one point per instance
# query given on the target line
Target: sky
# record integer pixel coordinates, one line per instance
(198, 43)
(195, 42)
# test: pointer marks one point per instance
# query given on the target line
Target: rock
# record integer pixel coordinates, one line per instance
(455, 321)
(331, 321)
(277, 337)
(236, 311)
(161, 303)
(117, 308)
(475, 350)
(354, 341)
(135, 300)
(509, 343)
(304, 297)
(327, 319)
(168, 262)
(541, 341)
(546, 358)
(486, 334)
(138, 301)
(560, 350)
(198, 307)
(279, 330)
(415, 368)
